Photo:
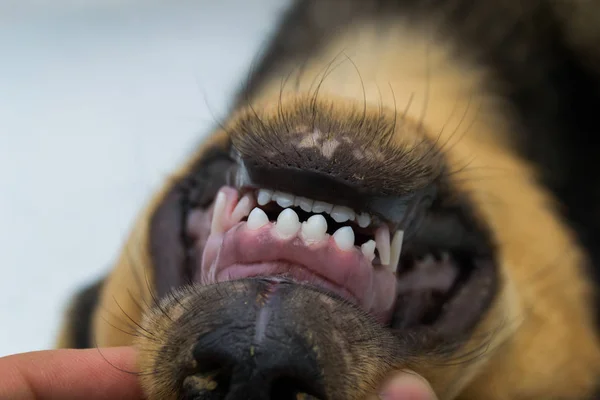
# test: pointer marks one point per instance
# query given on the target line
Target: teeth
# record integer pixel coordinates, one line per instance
(243, 208)
(304, 203)
(264, 197)
(363, 220)
(216, 225)
(257, 219)
(287, 224)
(368, 249)
(284, 200)
(382, 239)
(344, 238)
(321, 206)
(342, 214)
(396, 249)
(314, 229)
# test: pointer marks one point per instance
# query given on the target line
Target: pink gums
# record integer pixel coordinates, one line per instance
(242, 253)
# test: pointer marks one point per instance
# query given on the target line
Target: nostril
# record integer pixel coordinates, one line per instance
(211, 360)
(211, 379)
(292, 388)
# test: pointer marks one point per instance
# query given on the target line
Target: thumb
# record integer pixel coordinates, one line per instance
(406, 385)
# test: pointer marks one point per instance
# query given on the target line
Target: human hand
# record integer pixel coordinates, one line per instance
(91, 374)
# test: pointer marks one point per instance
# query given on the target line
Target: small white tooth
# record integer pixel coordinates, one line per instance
(321, 206)
(342, 214)
(382, 239)
(363, 220)
(257, 219)
(314, 229)
(368, 249)
(216, 225)
(243, 208)
(445, 257)
(288, 223)
(396, 250)
(344, 238)
(304, 203)
(264, 197)
(428, 259)
(284, 200)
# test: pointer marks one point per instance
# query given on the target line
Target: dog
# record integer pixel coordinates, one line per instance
(398, 184)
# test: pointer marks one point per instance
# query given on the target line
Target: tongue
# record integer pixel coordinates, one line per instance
(234, 251)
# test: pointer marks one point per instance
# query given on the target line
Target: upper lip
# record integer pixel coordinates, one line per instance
(399, 212)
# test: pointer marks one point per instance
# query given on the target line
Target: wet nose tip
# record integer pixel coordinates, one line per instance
(284, 370)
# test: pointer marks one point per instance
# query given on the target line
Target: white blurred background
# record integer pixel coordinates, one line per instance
(99, 100)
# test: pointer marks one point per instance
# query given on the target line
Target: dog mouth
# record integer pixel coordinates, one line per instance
(266, 233)
(426, 268)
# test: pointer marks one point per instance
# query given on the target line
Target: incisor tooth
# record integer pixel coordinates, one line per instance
(342, 214)
(287, 224)
(344, 238)
(257, 219)
(264, 197)
(314, 229)
(284, 200)
(321, 206)
(382, 239)
(243, 208)
(396, 250)
(368, 249)
(363, 220)
(304, 203)
(216, 225)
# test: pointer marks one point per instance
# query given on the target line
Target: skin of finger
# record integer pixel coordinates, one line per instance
(405, 385)
(92, 374)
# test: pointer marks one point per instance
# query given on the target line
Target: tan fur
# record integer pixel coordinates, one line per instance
(539, 337)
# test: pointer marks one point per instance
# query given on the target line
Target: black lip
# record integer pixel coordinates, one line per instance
(401, 212)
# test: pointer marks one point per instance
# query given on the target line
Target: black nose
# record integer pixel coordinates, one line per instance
(271, 364)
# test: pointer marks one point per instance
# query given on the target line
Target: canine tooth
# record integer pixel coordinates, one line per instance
(363, 220)
(284, 200)
(216, 225)
(315, 228)
(368, 249)
(243, 208)
(344, 238)
(288, 223)
(321, 206)
(382, 239)
(257, 219)
(396, 250)
(264, 197)
(342, 214)
(304, 203)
